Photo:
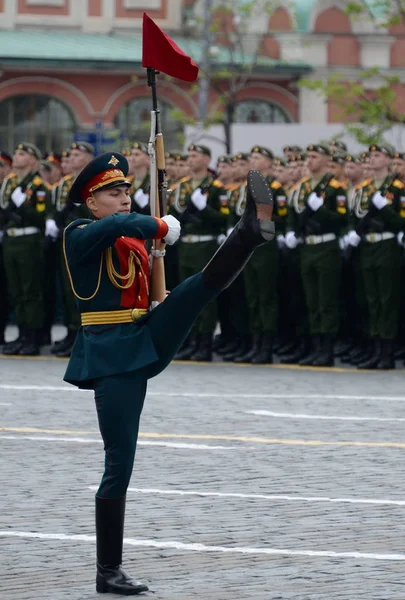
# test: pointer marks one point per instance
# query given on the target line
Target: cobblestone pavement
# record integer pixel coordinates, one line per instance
(250, 482)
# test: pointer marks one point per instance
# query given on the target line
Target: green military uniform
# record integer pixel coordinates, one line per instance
(198, 241)
(24, 229)
(320, 255)
(5, 159)
(380, 259)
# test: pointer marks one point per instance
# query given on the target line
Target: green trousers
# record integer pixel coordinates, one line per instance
(192, 260)
(381, 266)
(261, 274)
(120, 398)
(24, 272)
(320, 270)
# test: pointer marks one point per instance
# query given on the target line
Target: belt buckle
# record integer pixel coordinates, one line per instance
(311, 240)
(136, 314)
(11, 232)
(373, 237)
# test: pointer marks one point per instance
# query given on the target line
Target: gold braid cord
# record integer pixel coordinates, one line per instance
(113, 275)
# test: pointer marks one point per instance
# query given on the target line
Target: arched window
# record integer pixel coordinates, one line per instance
(259, 111)
(41, 120)
(133, 119)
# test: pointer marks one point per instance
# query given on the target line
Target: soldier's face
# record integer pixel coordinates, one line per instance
(171, 168)
(107, 202)
(353, 171)
(66, 166)
(317, 162)
(368, 170)
(79, 159)
(183, 168)
(379, 160)
(225, 172)
(140, 159)
(23, 160)
(197, 161)
(336, 169)
(55, 173)
(4, 170)
(282, 175)
(243, 168)
(259, 162)
(398, 166)
(131, 164)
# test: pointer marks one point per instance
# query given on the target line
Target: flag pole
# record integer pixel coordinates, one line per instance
(158, 190)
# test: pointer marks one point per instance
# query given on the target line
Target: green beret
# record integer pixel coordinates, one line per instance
(66, 153)
(339, 144)
(30, 148)
(381, 148)
(241, 156)
(199, 148)
(224, 159)
(400, 155)
(139, 146)
(353, 158)
(319, 148)
(84, 147)
(107, 170)
(280, 162)
(296, 149)
(338, 158)
(262, 150)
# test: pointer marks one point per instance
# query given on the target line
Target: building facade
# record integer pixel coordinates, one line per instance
(73, 67)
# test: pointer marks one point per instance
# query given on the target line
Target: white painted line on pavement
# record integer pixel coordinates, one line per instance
(268, 413)
(182, 446)
(173, 545)
(272, 497)
(65, 388)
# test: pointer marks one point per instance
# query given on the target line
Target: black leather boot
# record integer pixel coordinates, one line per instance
(387, 360)
(66, 350)
(188, 348)
(110, 513)
(374, 358)
(248, 354)
(66, 342)
(204, 349)
(230, 347)
(302, 351)
(30, 346)
(265, 354)
(254, 228)
(325, 356)
(12, 348)
(244, 345)
(310, 358)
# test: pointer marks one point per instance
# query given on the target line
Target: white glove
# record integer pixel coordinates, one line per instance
(343, 242)
(1, 236)
(199, 199)
(174, 230)
(315, 201)
(353, 238)
(141, 198)
(221, 238)
(290, 240)
(51, 229)
(229, 231)
(18, 196)
(281, 241)
(400, 238)
(379, 201)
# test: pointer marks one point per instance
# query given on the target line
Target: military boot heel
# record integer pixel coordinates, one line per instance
(111, 578)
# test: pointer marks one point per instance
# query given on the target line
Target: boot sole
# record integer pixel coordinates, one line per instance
(263, 198)
(102, 588)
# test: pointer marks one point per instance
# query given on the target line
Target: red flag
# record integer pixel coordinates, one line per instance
(160, 52)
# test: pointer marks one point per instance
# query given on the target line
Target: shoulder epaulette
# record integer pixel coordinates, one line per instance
(184, 179)
(366, 182)
(37, 180)
(304, 180)
(10, 176)
(398, 184)
(335, 183)
(217, 183)
(78, 223)
(276, 185)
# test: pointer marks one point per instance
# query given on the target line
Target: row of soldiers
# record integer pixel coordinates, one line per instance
(329, 284)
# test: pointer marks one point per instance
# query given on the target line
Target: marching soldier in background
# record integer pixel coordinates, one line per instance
(141, 181)
(201, 207)
(5, 169)
(376, 222)
(81, 153)
(337, 147)
(319, 213)
(398, 170)
(354, 299)
(337, 168)
(290, 151)
(25, 201)
(262, 298)
(65, 162)
(171, 258)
